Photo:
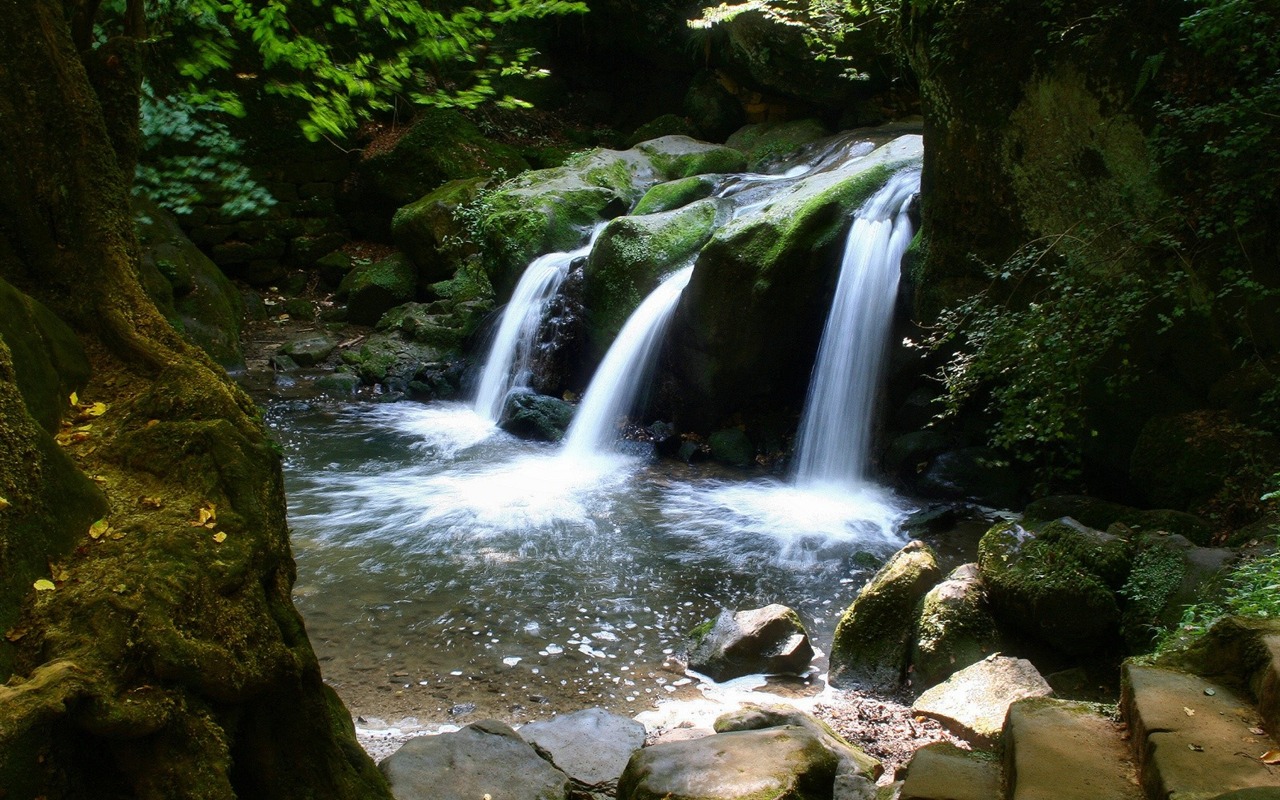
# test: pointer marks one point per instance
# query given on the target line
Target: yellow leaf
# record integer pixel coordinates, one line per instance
(44, 585)
(150, 502)
(116, 536)
(62, 576)
(1271, 757)
(1190, 712)
(206, 516)
(75, 399)
(15, 634)
(219, 537)
(98, 528)
(96, 410)
(4, 504)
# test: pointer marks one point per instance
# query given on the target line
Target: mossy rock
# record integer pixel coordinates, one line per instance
(430, 233)
(675, 194)
(440, 146)
(1168, 573)
(1057, 583)
(48, 360)
(416, 322)
(372, 290)
(955, 628)
(391, 360)
(681, 157)
(1102, 514)
(630, 258)
(873, 637)
(755, 716)
(747, 327)
(665, 125)
(732, 446)
(769, 142)
(536, 416)
(552, 210)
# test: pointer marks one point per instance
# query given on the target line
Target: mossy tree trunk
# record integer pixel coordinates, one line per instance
(168, 659)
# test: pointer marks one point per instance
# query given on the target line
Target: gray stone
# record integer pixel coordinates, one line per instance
(310, 349)
(743, 765)
(1062, 750)
(486, 758)
(942, 771)
(342, 384)
(752, 717)
(873, 638)
(770, 640)
(592, 746)
(973, 702)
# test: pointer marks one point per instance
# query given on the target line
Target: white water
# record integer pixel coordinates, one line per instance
(835, 429)
(507, 366)
(625, 370)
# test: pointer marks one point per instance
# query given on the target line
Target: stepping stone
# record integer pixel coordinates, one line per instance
(592, 746)
(942, 771)
(1194, 739)
(1064, 750)
(973, 702)
(486, 758)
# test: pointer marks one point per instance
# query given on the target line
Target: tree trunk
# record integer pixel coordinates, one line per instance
(168, 659)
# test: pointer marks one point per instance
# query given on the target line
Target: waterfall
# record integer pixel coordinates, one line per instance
(507, 365)
(625, 370)
(835, 429)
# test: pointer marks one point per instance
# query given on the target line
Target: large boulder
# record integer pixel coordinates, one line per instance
(187, 286)
(675, 194)
(371, 290)
(393, 361)
(955, 628)
(760, 640)
(752, 717)
(676, 157)
(1057, 582)
(484, 759)
(768, 142)
(1102, 514)
(873, 638)
(431, 232)
(785, 762)
(441, 145)
(1168, 573)
(536, 416)
(630, 258)
(591, 746)
(973, 702)
(746, 328)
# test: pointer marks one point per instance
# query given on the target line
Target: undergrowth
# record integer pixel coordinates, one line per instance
(1252, 589)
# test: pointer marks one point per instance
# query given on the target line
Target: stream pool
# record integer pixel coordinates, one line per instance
(448, 571)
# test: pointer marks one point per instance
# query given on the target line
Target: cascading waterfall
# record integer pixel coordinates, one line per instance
(507, 366)
(625, 370)
(835, 429)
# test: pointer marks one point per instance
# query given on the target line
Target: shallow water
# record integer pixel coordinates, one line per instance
(448, 571)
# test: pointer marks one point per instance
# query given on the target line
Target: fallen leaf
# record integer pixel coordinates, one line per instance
(96, 410)
(75, 399)
(150, 502)
(4, 504)
(219, 537)
(44, 585)
(1190, 712)
(98, 528)
(1270, 757)
(15, 634)
(206, 516)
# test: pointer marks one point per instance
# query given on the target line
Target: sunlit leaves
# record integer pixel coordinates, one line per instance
(98, 529)
(4, 504)
(206, 516)
(44, 585)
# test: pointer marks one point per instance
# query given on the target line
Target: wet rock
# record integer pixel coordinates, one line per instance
(732, 447)
(339, 384)
(677, 157)
(675, 194)
(390, 360)
(1057, 582)
(536, 416)
(768, 640)
(955, 628)
(310, 349)
(591, 746)
(484, 758)
(371, 290)
(742, 765)
(873, 638)
(752, 717)
(973, 702)
(767, 142)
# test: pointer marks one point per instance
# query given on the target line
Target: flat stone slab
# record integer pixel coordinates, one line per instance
(743, 765)
(973, 702)
(592, 746)
(486, 758)
(1194, 739)
(942, 771)
(1063, 750)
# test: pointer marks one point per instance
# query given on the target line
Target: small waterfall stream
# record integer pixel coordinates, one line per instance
(625, 371)
(507, 365)
(835, 429)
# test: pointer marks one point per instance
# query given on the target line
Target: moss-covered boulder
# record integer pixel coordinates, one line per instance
(732, 446)
(681, 157)
(433, 324)
(391, 360)
(746, 329)
(759, 640)
(1057, 582)
(1168, 573)
(441, 145)
(1102, 514)
(48, 361)
(630, 258)
(187, 287)
(371, 290)
(429, 230)
(536, 416)
(873, 637)
(955, 628)
(552, 210)
(768, 142)
(674, 194)
(310, 349)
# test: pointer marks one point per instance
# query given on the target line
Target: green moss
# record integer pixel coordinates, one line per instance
(48, 360)
(769, 141)
(680, 157)
(700, 632)
(674, 194)
(372, 289)
(1156, 574)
